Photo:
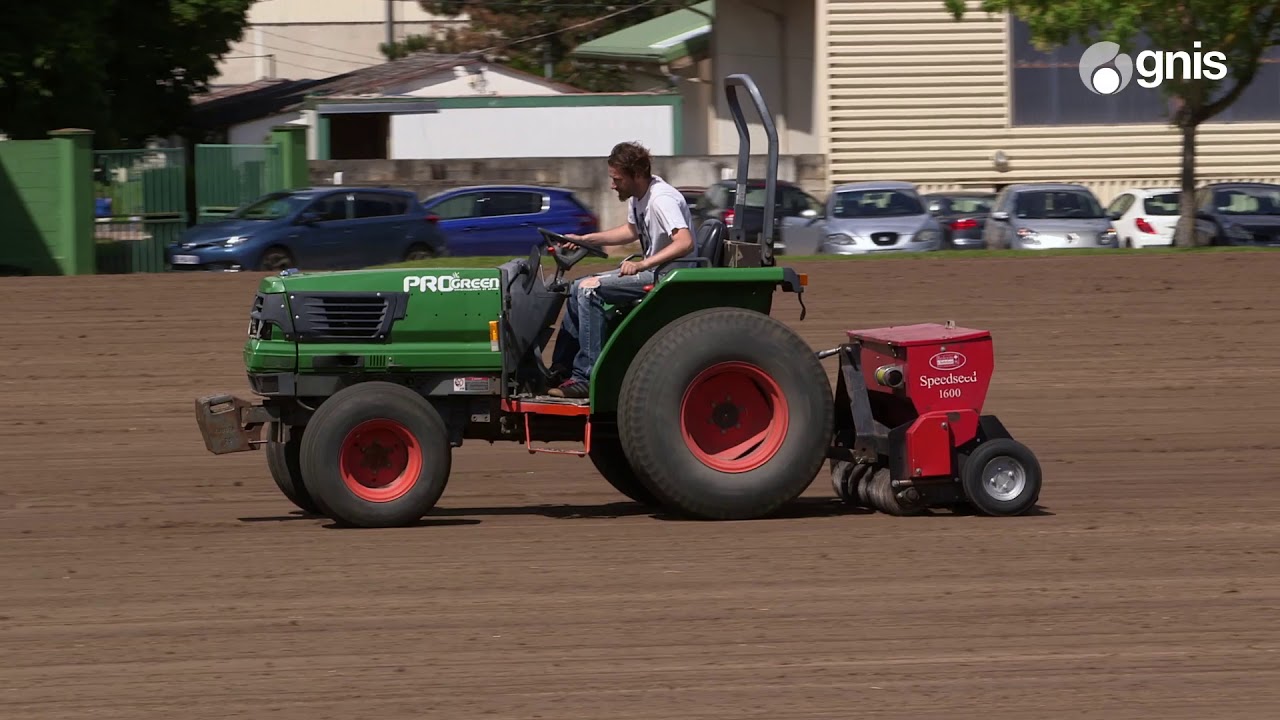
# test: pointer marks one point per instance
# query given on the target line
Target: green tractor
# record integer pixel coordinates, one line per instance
(701, 403)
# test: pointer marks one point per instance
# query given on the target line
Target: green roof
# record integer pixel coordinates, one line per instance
(663, 39)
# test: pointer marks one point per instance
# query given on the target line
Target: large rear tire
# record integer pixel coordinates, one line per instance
(284, 462)
(376, 454)
(726, 414)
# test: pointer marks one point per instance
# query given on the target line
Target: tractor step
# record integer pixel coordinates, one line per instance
(559, 407)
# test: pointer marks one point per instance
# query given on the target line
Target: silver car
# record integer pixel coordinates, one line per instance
(1043, 216)
(884, 216)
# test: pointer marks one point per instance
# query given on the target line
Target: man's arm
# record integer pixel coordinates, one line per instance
(620, 235)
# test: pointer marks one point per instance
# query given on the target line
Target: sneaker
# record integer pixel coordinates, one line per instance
(570, 389)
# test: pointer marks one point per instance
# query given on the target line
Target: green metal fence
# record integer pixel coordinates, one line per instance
(228, 176)
(140, 206)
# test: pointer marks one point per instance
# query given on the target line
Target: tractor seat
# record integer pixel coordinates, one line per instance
(708, 245)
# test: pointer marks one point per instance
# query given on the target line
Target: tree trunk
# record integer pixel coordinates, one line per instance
(1185, 235)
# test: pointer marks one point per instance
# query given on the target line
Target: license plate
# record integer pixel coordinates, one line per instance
(186, 259)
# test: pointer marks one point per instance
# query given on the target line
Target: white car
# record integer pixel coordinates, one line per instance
(1145, 217)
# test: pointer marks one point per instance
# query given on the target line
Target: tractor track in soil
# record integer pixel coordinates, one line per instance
(141, 577)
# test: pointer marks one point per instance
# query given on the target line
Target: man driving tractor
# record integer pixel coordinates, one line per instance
(657, 216)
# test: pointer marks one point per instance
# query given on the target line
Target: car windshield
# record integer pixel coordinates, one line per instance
(875, 204)
(1247, 201)
(271, 207)
(965, 204)
(1057, 205)
(1162, 204)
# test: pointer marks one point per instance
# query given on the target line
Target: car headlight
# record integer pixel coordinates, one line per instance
(841, 239)
(234, 240)
(925, 236)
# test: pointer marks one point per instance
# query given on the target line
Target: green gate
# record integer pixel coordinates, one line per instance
(229, 176)
(140, 205)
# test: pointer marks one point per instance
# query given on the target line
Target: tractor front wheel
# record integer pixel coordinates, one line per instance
(284, 463)
(611, 460)
(376, 454)
(1001, 477)
(726, 414)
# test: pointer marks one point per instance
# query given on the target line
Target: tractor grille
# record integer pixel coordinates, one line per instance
(351, 317)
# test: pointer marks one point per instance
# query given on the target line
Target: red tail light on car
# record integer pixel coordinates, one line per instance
(964, 224)
(1144, 226)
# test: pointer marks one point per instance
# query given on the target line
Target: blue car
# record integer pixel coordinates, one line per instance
(503, 220)
(324, 228)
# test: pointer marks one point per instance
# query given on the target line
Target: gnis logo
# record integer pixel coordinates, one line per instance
(1106, 71)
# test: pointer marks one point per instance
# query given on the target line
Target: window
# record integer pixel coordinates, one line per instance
(330, 207)
(1047, 90)
(876, 203)
(1120, 205)
(796, 201)
(369, 205)
(1163, 204)
(1247, 201)
(495, 204)
(457, 207)
(1056, 204)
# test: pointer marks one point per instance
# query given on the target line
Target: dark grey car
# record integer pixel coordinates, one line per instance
(1238, 214)
(962, 214)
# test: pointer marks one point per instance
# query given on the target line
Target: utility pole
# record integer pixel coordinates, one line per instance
(391, 24)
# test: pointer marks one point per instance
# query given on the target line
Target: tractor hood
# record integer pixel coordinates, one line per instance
(411, 281)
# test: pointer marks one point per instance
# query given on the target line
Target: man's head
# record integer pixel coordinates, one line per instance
(629, 170)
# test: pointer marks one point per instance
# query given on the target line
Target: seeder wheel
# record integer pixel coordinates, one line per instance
(882, 496)
(848, 479)
(1001, 477)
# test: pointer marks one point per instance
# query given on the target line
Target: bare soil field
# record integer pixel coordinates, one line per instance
(141, 577)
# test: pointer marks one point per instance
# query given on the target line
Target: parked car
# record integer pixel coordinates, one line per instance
(961, 215)
(874, 216)
(1238, 214)
(1040, 216)
(324, 228)
(795, 211)
(503, 220)
(1145, 217)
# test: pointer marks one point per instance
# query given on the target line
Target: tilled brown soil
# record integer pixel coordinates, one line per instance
(141, 577)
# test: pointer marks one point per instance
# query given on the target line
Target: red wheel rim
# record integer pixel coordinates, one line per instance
(380, 461)
(734, 417)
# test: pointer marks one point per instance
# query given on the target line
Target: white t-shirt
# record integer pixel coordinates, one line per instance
(658, 215)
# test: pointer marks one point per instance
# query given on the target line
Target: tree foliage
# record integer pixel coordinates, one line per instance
(125, 69)
(527, 34)
(1241, 30)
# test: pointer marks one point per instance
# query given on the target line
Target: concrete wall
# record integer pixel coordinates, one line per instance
(588, 177)
(773, 41)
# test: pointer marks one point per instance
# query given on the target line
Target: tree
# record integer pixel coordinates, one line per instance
(530, 34)
(1236, 32)
(125, 69)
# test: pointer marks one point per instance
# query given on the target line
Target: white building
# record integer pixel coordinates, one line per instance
(312, 39)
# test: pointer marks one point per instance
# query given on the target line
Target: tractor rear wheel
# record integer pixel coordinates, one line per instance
(1001, 477)
(376, 454)
(726, 414)
(283, 460)
(611, 460)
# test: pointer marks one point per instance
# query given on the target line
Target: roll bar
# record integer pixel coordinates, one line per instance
(738, 233)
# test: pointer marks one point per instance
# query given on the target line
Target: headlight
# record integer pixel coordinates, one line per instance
(841, 239)
(234, 240)
(925, 236)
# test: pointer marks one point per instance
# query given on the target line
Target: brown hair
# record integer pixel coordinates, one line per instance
(631, 158)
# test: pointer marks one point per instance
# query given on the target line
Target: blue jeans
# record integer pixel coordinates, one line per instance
(578, 343)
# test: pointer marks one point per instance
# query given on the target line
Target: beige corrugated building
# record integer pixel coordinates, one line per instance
(898, 89)
(912, 93)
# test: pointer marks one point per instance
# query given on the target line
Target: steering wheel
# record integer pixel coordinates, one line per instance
(565, 260)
